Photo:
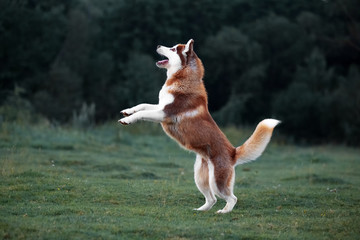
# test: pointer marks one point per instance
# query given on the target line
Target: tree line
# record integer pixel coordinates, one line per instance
(297, 61)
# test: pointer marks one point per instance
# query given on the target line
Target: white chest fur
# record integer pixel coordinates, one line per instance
(165, 97)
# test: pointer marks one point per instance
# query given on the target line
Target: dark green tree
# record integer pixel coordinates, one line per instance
(307, 105)
(348, 106)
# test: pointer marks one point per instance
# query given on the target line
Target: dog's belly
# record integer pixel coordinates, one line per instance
(200, 136)
(172, 130)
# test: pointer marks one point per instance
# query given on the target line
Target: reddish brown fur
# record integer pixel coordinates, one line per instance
(201, 134)
(179, 50)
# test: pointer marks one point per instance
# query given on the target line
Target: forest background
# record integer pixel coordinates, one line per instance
(82, 61)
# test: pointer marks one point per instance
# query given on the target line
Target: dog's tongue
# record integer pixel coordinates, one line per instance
(163, 62)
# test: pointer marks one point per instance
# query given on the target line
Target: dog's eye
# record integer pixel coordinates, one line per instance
(172, 49)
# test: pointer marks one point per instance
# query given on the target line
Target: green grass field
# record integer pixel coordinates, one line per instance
(115, 182)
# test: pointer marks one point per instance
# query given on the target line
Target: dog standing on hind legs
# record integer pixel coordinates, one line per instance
(183, 113)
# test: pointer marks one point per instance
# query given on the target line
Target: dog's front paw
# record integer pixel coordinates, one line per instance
(125, 121)
(127, 112)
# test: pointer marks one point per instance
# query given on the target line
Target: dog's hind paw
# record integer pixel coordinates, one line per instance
(207, 206)
(224, 210)
(199, 209)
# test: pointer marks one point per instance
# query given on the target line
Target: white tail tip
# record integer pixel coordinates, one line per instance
(271, 123)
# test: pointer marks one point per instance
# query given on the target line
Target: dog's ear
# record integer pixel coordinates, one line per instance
(189, 47)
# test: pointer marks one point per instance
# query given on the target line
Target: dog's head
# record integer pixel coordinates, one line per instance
(177, 56)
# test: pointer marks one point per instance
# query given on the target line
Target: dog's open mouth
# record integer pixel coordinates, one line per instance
(162, 62)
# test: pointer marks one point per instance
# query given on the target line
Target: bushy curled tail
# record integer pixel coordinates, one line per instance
(256, 144)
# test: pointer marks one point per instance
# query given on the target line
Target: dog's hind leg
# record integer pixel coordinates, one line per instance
(201, 175)
(221, 180)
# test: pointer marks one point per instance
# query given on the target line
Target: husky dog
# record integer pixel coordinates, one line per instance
(183, 113)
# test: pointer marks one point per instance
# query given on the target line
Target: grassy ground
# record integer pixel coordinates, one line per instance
(115, 182)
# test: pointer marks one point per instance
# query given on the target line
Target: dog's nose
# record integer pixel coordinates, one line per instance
(158, 46)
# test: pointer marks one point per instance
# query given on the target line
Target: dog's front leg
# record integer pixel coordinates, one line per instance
(148, 115)
(138, 108)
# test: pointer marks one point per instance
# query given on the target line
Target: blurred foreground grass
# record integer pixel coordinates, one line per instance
(114, 182)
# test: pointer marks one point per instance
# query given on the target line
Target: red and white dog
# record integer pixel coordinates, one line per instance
(183, 113)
